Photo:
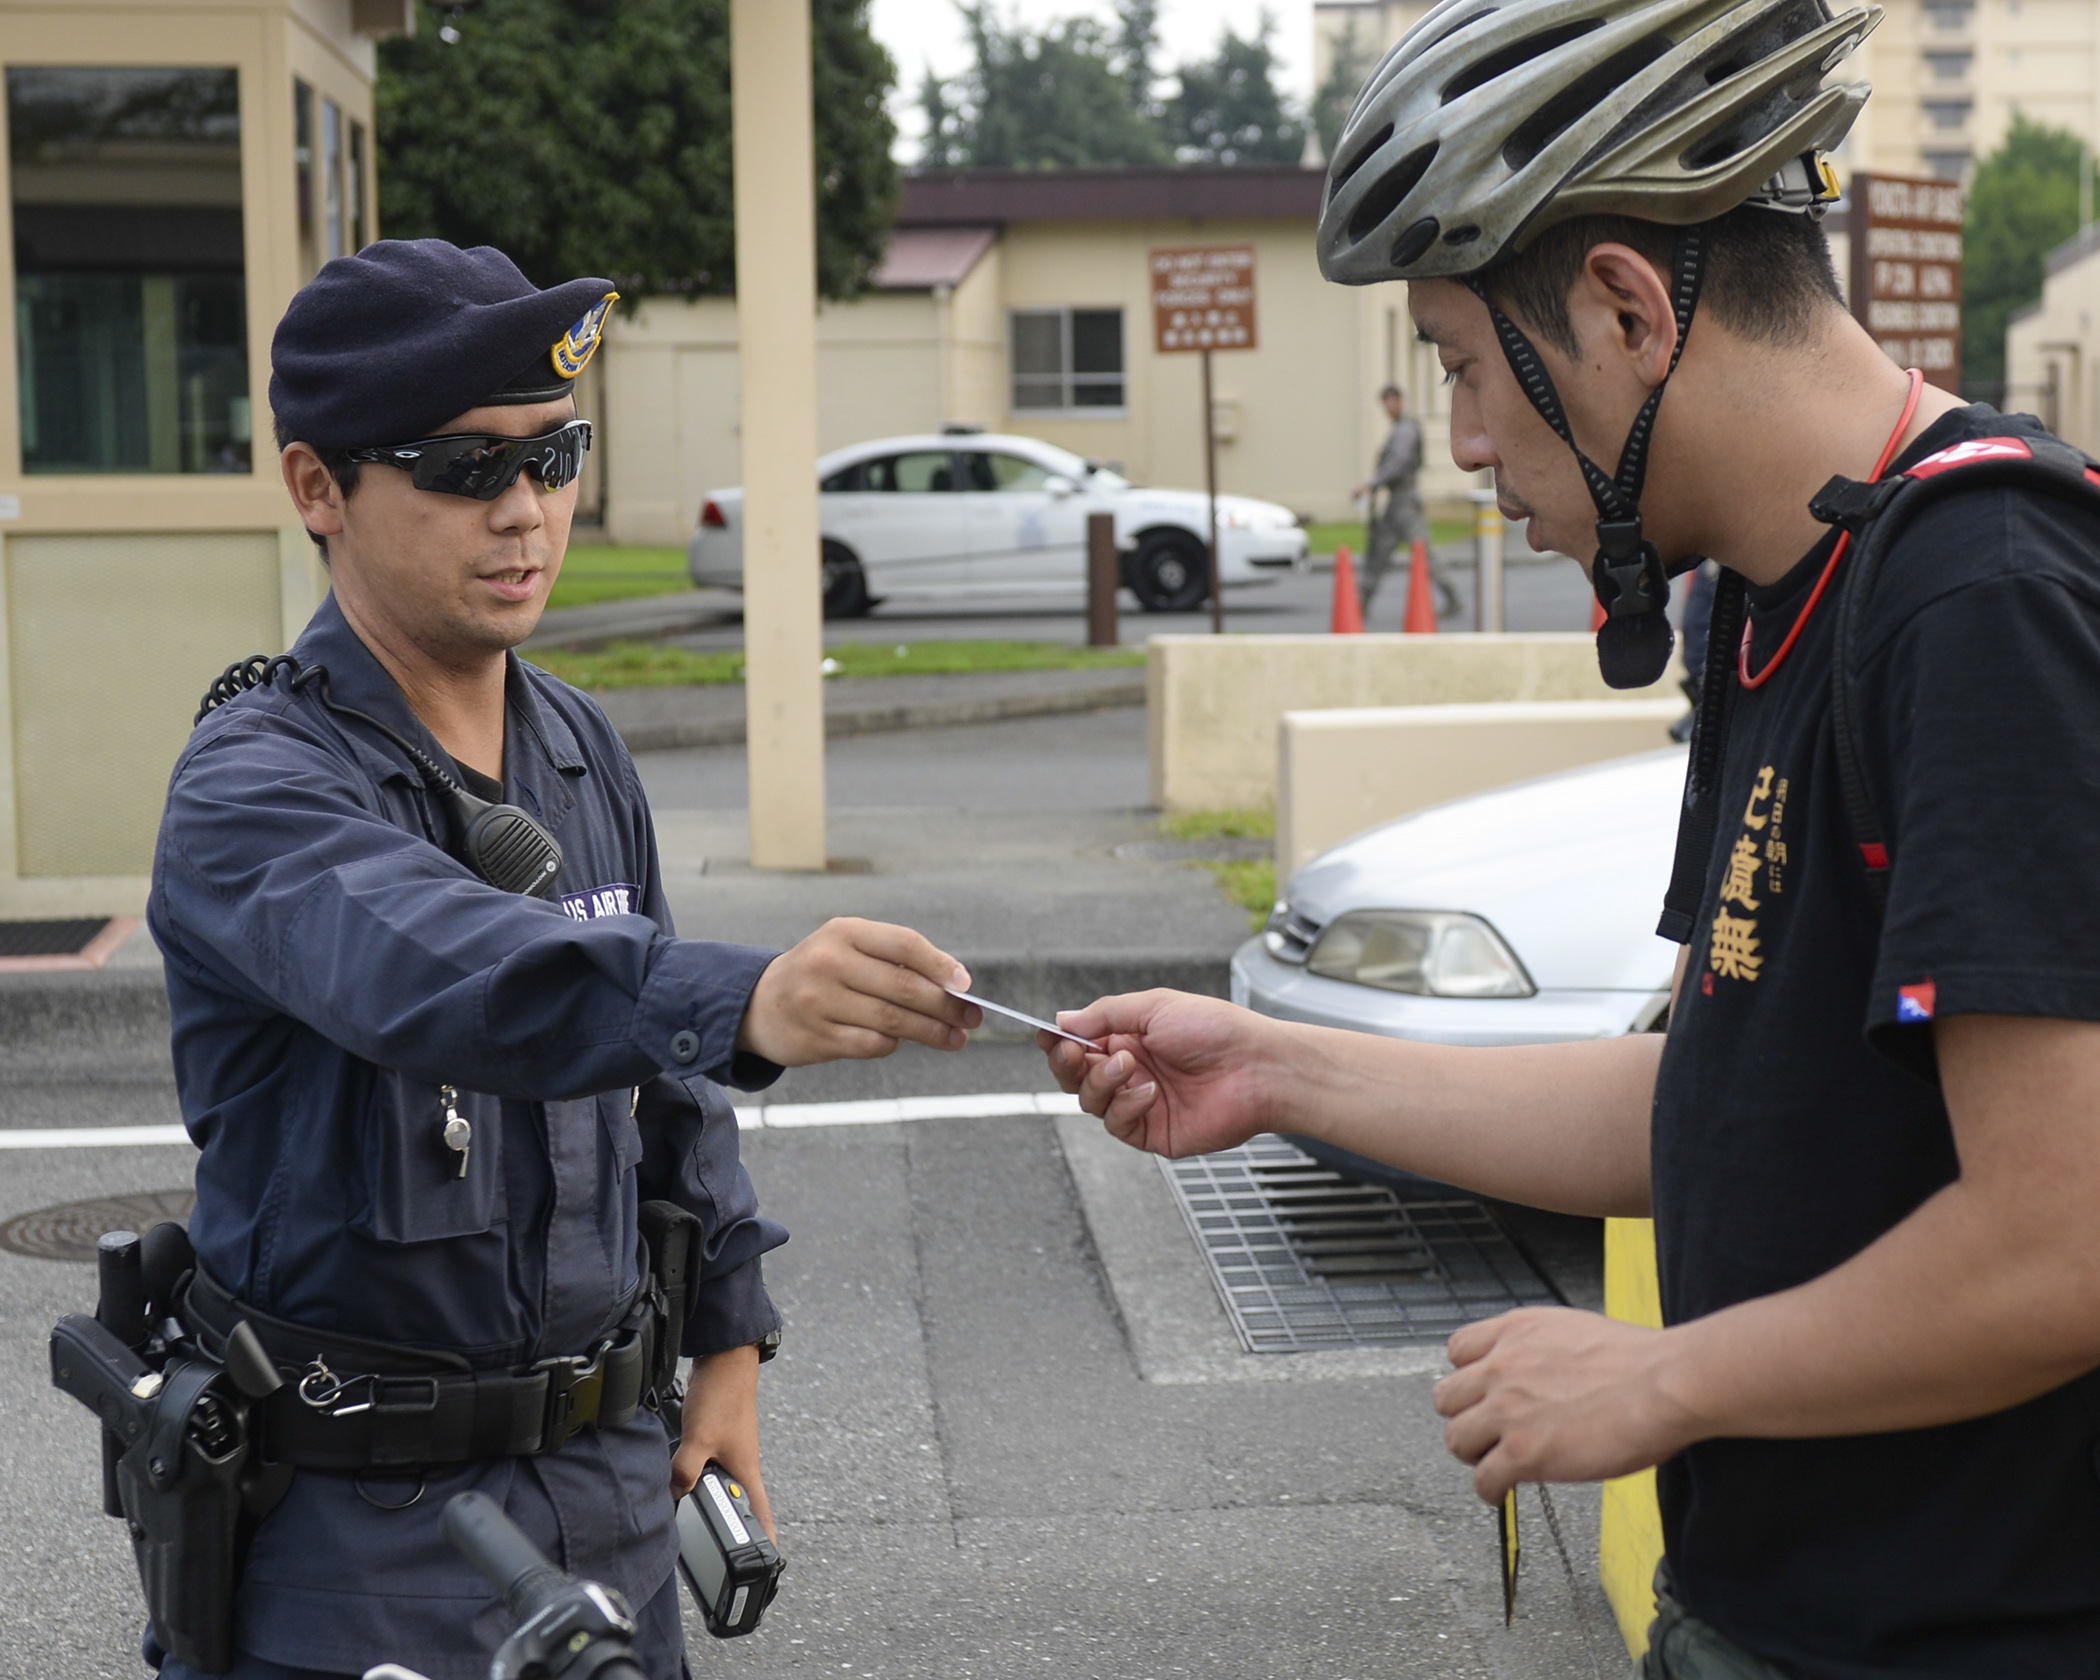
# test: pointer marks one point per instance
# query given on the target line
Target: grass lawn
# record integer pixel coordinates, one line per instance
(653, 665)
(1248, 882)
(604, 573)
(1325, 534)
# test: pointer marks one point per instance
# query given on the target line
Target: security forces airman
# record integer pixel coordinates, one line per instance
(443, 1055)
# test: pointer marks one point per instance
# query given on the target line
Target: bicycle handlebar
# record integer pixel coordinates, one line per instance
(509, 1562)
(587, 1633)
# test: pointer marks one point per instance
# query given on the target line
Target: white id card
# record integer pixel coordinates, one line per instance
(1016, 1015)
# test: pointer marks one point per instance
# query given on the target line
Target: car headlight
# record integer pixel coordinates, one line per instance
(1430, 953)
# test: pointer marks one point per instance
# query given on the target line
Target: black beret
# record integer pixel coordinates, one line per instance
(388, 345)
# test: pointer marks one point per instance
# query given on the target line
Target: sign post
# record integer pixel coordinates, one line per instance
(1203, 300)
(1906, 271)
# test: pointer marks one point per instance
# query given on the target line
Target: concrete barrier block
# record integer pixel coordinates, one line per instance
(1215, 701)
(1343, 771)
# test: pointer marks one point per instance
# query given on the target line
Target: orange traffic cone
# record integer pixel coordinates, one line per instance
(1348, 619)
(1421, 594)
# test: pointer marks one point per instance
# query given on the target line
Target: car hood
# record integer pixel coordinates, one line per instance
(1151, 500)
(1570, 869)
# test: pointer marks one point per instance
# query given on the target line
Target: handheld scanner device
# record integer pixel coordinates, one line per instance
(724, 1555)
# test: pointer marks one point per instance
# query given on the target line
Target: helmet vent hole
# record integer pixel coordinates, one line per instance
(1485, 69)
(1363, 156)
(1387, 192)
(1414, 242)
(1581, 96)
(1462, 235)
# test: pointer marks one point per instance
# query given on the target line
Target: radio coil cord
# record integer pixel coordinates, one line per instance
(505, 846)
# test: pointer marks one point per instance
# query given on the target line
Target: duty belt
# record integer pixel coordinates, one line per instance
(351, 1405)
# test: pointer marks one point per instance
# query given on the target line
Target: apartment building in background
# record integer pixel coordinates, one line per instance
(1947, 74)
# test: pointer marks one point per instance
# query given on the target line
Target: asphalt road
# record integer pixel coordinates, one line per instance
(974, 1479)
(1541, 593)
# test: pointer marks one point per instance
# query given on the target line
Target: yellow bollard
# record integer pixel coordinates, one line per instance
(1630, 1541)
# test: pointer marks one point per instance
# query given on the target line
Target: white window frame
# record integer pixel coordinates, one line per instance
(1066, 377)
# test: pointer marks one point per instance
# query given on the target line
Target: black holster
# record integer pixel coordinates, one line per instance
(188, 1484)
(181, 1459)
(184, 1506)
(674, 1239)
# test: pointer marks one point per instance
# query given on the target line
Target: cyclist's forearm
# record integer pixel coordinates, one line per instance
(1562, 1126)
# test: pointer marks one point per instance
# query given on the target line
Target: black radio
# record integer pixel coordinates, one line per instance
(724, 1554)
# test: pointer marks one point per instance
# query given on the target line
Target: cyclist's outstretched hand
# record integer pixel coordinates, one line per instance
(1176, 1075)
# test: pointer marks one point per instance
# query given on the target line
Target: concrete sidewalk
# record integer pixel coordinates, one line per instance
(712, 714)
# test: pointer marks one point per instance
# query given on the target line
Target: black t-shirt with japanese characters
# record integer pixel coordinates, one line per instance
(1796, 1118)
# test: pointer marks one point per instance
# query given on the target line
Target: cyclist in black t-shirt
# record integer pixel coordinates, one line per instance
(1871, 1138)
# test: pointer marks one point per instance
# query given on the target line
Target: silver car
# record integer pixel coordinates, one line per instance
(1524, 915)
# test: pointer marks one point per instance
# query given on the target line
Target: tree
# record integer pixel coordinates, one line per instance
(593, 137)
(1228, 110)
(2023, 203)
(1351, 62)
(1072, 96)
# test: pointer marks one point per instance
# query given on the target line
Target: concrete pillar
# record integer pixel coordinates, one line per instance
(776, 265)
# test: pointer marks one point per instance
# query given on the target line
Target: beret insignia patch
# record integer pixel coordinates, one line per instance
(576, 346)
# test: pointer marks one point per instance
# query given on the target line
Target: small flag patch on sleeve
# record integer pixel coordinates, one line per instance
(1915, 1003)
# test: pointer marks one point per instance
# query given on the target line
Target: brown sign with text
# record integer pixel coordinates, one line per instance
(1906, 271)
(1203, 298)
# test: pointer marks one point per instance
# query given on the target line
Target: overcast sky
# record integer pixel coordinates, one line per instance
(923, 32)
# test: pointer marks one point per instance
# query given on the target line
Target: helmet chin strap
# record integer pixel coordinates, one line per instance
(1631, 581)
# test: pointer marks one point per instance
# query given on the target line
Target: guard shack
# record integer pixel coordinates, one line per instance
(170, 173)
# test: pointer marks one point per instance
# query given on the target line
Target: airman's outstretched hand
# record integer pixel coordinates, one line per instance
(856, 989)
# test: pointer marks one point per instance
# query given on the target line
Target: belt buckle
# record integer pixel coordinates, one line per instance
(575, 1385)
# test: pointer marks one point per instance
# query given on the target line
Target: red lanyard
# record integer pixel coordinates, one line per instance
(1830, 566)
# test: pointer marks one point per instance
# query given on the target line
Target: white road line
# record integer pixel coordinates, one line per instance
(884, 1111)
(89, 1137)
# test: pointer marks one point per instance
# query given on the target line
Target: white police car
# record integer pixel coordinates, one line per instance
(959, 514)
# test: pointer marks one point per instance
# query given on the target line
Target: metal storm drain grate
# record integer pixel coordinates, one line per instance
(71, 1230)
(1305, 1258)
(49, 939)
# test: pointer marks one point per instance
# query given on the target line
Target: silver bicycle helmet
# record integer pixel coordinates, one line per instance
(1489, 123)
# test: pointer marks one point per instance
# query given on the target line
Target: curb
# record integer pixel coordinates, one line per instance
(873, 720)
(105, 1024)
(112, 1025)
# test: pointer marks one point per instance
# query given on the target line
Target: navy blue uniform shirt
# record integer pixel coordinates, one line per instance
(330, 967)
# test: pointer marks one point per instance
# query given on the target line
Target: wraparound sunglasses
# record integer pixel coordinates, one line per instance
(485, 464)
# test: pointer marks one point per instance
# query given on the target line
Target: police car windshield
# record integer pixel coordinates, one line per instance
(1079, 469)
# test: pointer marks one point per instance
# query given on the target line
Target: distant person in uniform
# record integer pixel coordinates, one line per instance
(1396, 525)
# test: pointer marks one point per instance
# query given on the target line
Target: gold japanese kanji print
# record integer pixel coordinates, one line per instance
(1733, 950)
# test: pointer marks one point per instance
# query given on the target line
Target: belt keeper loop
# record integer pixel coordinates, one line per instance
(402, 1429)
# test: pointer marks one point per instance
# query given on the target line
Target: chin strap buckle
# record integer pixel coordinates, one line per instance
(1628, 573)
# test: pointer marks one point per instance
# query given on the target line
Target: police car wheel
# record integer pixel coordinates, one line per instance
(1170, 572)
(845, 584)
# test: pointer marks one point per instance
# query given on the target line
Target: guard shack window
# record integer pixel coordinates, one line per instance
(130, 287)
(1066, 360)
(328, 157)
